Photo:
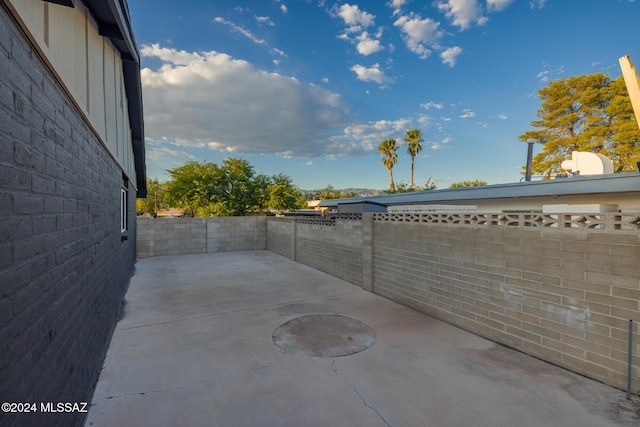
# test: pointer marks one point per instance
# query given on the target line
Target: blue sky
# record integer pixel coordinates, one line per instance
(309, 88)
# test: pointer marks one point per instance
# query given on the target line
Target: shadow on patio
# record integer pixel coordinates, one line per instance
(195, 347)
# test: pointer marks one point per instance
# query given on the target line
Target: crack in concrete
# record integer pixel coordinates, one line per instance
(185, 386)
(355, 390)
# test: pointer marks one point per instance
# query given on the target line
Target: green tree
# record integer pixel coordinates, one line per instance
(155, 199)
(389, 151)
(330, 193)
(193, 186)
(414, 146)
(624, 129)
(283, 195)
(229, 189)
(239, 192)
(474, 183)
(403, 187)
(585, 113)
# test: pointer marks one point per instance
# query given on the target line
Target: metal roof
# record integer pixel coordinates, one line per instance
(577, 185)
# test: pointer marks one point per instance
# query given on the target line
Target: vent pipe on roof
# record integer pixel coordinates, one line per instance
(585, 163)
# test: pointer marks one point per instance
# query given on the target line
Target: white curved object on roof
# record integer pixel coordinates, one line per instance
(586, 163)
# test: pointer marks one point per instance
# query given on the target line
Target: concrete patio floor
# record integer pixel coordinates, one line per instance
(194, 348)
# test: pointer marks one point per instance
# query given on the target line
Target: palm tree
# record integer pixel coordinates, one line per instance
(414, 146)
(388, 149)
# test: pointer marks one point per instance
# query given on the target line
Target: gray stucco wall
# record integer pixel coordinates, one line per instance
(64, 266)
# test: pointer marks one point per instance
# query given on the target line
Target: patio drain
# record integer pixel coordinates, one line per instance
(323, 335)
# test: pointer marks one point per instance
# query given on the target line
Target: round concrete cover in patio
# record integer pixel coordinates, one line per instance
(323, 335)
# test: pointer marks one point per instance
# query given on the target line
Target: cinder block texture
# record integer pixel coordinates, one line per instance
(336, 250)
(171, 236)
(281, 236)
(236, 234)
(563, 295)
(182, 236)
(64, 266)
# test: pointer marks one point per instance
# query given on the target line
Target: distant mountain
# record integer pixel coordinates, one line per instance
(360, 192)
(363, 192)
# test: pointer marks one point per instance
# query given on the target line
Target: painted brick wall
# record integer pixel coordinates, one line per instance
(182, 236)
(565, 296)
(64, 268)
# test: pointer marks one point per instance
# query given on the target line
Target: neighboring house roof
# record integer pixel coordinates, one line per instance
(624, 187)
(170, 212)
(114, 23)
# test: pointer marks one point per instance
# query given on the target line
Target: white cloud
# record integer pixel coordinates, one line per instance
(265, 20)
(371, 74)
(283, 7)
(419, 33)
(543, 76)
(498, 5)
(424, 121)
(157, 153)
(227, 104)
(503, 116)
(366, 45)
(462, 13)
(467, 114)
(357, 21)
(354, 17)
(364, 138)
(450, 55)
(240, 30)
(325, 80)
(537, 4)
(396, 5)
(429, 105)
(546, 75)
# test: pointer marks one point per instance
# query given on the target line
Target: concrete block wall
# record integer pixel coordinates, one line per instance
(171, 236)
(64, 263)
(281, 237)
(236, 234)
(334, 247)
(563, 295)
(336, 250)
(182, 236)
